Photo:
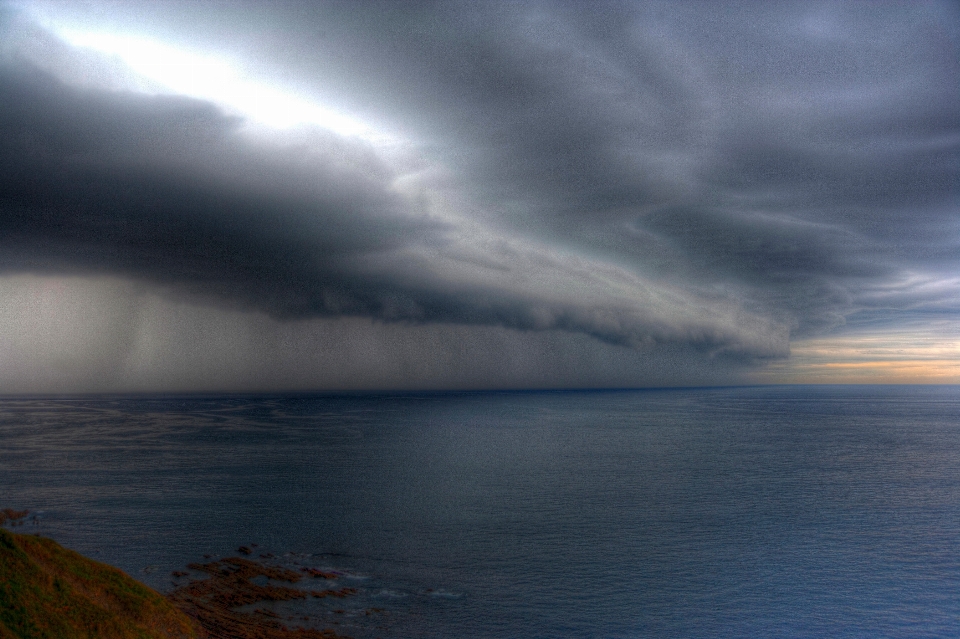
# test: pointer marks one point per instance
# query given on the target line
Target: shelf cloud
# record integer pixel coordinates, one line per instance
(687, 188)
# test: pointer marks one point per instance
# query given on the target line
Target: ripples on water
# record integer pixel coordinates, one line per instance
(777, 511)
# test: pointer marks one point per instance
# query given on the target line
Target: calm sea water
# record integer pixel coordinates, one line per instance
(745, 512)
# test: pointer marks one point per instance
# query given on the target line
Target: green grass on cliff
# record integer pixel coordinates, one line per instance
(49, 592)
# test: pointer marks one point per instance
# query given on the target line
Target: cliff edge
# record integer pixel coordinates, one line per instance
(49, 592)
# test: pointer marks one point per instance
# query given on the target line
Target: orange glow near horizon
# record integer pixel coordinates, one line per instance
(925, 356)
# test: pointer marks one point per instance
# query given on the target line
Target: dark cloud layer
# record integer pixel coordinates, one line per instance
(161, 187)
(800, 151)
(716, 176)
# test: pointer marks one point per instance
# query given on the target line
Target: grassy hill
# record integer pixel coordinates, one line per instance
(49, 592)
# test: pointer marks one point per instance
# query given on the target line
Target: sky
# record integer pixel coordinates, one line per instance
(267, 196)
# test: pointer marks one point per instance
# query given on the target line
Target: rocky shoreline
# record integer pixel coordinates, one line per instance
(214, 601)
(49, 591)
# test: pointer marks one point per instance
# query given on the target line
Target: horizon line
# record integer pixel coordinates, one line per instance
(450, 391)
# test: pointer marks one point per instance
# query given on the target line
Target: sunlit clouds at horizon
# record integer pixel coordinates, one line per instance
(924, 353)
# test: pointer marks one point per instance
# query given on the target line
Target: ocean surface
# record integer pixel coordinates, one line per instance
(735, 512)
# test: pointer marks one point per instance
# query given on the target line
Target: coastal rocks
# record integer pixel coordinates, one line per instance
(319, 574)
(230, 584)
(13, 517)
(49, 591)
(339, 594)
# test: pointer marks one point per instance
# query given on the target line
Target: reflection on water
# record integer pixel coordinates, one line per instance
(788, 512)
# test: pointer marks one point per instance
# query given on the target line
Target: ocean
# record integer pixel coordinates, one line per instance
(797, 511)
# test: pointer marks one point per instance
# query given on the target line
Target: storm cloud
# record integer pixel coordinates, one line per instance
(712, 180)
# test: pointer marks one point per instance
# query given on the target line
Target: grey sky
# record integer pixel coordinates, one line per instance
(486, 194)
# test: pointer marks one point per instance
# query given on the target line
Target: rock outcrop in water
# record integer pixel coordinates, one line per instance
(213, 601)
